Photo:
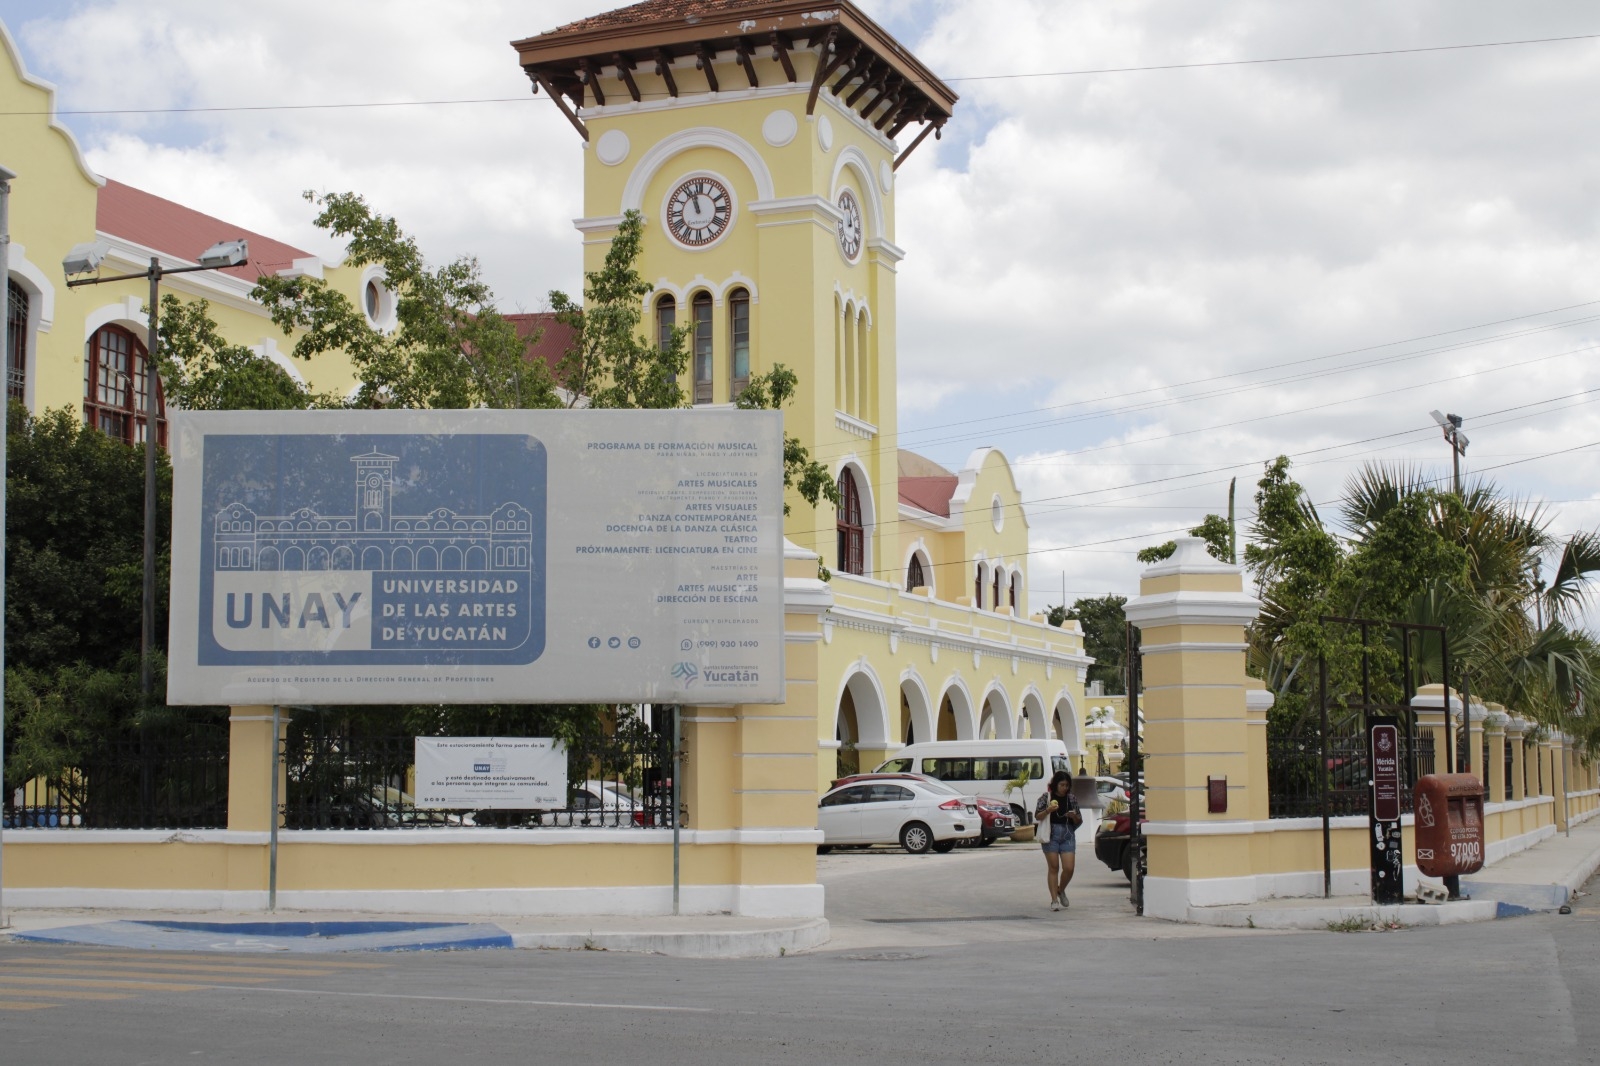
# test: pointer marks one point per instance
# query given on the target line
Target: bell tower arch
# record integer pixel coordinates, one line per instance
(759, 140)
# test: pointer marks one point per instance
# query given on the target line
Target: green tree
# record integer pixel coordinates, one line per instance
(1216, 532)
(202, 371)
(610, 363)
(1104, 638)
(450, 348)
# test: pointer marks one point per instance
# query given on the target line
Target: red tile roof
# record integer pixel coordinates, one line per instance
(175, 230)
(651, 11)
(931, 494)
(553, 343)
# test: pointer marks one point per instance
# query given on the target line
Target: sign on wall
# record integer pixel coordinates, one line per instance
(491, 773)
(477, 557)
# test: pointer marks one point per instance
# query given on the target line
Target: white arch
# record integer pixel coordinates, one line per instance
(919, 548)
(1032, 709)
(854, 158)
(700, 283)
(869, 510)
(128, 313)
(268, 349)
(37, 283)
(961, 707)
(1071, 730)
(981, 578)
(924, 721)
(848, 299)
(685, 140)
(872, 712)
(997, 707)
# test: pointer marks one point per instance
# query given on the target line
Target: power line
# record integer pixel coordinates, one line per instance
(469, 101)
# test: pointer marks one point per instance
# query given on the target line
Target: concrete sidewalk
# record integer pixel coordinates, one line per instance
(1541, 878)
(689, 936)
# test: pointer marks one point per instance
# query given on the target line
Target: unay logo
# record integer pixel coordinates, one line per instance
(686, 672)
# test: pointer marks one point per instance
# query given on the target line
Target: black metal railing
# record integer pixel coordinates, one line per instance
(343, 779)
(140, 780)
(1509, 773)
(1295, 782)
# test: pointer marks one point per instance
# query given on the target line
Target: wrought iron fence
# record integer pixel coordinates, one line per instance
(1295, 782)
(338, 778)
(146, 779)
(1508, 774)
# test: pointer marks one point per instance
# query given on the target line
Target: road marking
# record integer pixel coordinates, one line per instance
(215, 966)
(972, 918)
(27, 1006)
(148, 986)
(62, 993)
(67, 969)
(493, 1002)
(213, 956)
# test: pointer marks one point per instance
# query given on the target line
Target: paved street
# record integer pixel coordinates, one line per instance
(994, 976)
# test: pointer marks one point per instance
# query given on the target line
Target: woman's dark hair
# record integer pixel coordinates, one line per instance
(1057, 778)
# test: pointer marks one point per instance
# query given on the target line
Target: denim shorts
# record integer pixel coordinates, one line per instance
(1063, 839)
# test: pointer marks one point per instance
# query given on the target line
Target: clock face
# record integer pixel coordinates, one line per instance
(850, 225)
(699, 211)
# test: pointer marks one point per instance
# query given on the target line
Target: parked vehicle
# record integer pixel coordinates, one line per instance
(597, 803)
(915, 815)
(985, 767)
(1108, 789)
(998, 818)
(1111, 842)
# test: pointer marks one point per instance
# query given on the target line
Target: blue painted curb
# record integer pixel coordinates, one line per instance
(302, 937)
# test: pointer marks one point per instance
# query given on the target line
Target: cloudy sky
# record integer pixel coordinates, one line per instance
(1138, 284)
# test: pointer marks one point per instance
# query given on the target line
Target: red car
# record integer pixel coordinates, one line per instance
(1111, 842)
(999, 820)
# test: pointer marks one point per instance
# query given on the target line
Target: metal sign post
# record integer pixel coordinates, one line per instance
(272, 814)
(1135, 772)
(677, 774)
(5, 357)
(1383, 818)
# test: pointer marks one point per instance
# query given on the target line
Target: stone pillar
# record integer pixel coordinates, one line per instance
(1516, 734)
(1191, 611)
(1429, 706)
(750, 774)
(1494, 731)
(251, 756)
(1257, 702)
(1476, 714)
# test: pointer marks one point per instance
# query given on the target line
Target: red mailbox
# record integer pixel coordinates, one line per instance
(1449, 824)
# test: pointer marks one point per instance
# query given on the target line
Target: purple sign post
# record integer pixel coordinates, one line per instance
(1388, 865)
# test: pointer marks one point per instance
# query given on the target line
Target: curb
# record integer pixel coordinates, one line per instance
(761, 944)
(1405, 915)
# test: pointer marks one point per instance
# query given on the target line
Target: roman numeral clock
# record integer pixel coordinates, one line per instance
(699, 211)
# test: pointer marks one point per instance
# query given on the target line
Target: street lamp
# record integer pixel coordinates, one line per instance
(1451, 424)
(86, 259)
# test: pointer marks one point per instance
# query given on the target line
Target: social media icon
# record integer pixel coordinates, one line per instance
(633, 642)
(594, 642)
(685, 644)
(614, 642)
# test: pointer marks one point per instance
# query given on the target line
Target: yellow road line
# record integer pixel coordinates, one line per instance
(195, 967)
(62, 993)
(27, 1006)
(69, 970)
(212, 956)
(147, 986)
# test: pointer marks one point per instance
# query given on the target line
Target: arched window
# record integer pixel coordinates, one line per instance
(915, 578)
(114, 387)
(702, 347)
(16, 340)
(852, 542)
(666, 322)
(739, 342)
(977, 588)
(1016, 592)
(999, 577)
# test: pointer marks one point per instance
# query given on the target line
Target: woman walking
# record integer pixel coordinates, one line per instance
(1057, 818)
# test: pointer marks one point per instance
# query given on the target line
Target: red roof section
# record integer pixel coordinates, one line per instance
(182, 232)
(657, 11)
(931, 494)
(553, 343)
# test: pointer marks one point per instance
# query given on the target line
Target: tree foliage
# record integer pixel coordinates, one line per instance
(1104, 638)
(202, 371)
(1216, 532)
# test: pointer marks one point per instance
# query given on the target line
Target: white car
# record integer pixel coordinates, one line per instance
(597, 803)
(908, 813)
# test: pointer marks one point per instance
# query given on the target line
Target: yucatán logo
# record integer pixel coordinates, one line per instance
(686, 672)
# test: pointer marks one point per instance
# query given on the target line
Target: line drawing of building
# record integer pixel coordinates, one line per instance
(374, 538)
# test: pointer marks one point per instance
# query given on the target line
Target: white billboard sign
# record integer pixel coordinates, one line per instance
(477, 557)
(491, 773)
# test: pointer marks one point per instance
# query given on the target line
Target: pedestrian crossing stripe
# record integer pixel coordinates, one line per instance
(146, 986)
(27, 1006)
(213, 967)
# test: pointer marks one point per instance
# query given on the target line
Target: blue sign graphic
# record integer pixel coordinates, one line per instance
(346, 549)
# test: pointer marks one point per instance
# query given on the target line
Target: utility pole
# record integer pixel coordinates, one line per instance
(1451, 424)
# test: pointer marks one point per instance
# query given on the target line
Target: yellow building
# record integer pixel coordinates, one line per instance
(761, 142)
(84, 348)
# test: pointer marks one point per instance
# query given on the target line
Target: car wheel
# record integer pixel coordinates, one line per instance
(984, 842)
(944, 846)
(916, 838)
(1127, 864)
(823, 849)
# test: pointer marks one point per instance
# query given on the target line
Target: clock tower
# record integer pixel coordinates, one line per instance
(761, 142)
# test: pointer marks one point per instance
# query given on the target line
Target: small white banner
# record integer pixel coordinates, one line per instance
(491, 773)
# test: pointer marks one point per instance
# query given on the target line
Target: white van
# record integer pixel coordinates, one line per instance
(984, 767)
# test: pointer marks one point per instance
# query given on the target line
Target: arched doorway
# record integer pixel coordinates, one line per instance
(916, 712)
(861, 724)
